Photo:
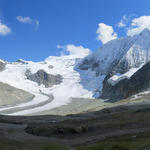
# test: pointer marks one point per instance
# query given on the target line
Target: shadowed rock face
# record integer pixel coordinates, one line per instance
(2, 65)
(42, 77)
(139, 82)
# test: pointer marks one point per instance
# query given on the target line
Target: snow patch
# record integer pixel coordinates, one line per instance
(118, 77)
(2, 61)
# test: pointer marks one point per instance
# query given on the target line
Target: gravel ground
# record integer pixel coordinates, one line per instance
(78, 105)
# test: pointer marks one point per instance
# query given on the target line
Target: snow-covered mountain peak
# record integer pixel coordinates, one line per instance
(120, 57)
(143, 39)
(120, 54)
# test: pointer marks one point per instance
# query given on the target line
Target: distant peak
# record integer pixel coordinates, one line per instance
(145, 31)
(22, 61)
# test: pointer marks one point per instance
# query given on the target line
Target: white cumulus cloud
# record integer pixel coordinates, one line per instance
(28, 20)
(123, 22)
(138, 24)
(74, 50)
(4, 29)
(24, 19)
(105, 33)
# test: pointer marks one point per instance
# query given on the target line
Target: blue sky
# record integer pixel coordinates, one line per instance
(45, 24)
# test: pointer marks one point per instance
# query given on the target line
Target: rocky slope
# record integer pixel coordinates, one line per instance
(138, 82)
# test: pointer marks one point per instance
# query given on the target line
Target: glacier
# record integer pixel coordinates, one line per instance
(72, 86)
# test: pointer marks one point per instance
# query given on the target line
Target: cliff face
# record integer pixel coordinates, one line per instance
(139, 82)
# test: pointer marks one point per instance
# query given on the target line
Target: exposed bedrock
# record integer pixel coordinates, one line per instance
(42, 77)
(139, 82)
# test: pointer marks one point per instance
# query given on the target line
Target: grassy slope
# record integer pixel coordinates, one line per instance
(128, 142)
(32, 145)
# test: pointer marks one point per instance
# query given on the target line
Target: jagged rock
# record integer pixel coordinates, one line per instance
(42, 77)
(139, 82)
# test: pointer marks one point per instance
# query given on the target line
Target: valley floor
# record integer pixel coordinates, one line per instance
(82, 105)
(122, 127)
(75, 106)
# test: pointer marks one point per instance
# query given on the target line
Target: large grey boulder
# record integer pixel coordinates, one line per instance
(139, 82)
(42, 77)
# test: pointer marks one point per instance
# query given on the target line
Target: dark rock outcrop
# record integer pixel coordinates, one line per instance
(2, 65)
(139, 82)
(42, 77)
(50, 66)
(21, 61)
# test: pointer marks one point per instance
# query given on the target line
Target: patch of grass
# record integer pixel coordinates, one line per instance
(26, 145)
(128, 142)
(53, 147)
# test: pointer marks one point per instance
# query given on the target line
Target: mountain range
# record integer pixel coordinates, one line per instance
(117, 70)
